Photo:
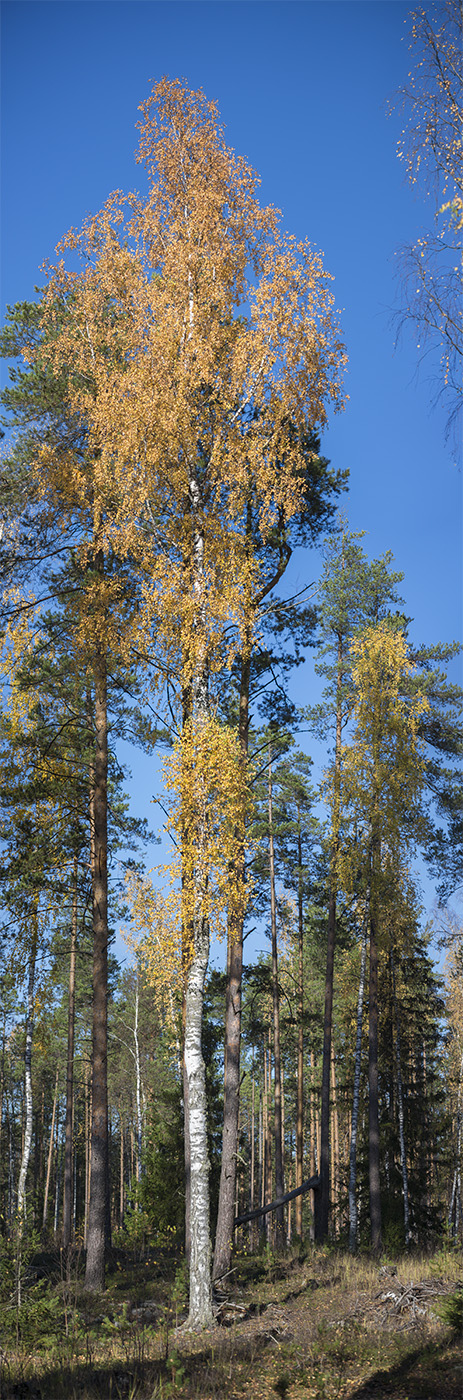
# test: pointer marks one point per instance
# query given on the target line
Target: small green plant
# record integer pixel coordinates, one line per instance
(179, 1292)
(450, 1309)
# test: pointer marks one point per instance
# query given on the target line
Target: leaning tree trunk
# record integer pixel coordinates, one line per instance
(279, 1168)
(95, 1267)
(322, 1199)
(68, 1155)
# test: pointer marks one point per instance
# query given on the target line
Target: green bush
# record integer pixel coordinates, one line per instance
(450, 1309)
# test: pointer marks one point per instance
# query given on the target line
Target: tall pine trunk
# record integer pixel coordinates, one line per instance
(95, 1267)
(68, 1155)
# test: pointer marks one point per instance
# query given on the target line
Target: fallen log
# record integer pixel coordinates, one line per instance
(312, 1184)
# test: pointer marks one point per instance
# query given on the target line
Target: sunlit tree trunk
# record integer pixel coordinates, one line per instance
(200, 1310)
(454, 1211)
(138, 1085)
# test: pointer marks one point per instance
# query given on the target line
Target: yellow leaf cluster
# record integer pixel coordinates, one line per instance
(207, 781)
(383, 765)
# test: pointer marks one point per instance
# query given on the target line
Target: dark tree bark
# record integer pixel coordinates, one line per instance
(95, 1268)
(68, 1155)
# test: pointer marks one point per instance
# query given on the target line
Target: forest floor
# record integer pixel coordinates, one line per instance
(315, 1325)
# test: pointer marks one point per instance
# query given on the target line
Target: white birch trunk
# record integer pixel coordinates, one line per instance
(28, 1079)
(138, 1090)
(356, 1099)
(455, 1199)
(200, 1311)
(28, 1097)
(400, 1097)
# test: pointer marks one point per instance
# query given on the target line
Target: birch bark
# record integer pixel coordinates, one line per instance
(200, 1310)
(400, 1098)
(356, 1099)
(28, 1076)
(279, 1175)
(68, 1155)
(95, 1265)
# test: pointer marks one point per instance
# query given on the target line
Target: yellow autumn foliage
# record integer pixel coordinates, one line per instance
(206, 780)
(383, 765)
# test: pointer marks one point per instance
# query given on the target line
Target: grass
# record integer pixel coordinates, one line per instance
(312, 1327)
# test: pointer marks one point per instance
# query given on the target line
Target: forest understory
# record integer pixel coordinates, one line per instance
(313, 1324)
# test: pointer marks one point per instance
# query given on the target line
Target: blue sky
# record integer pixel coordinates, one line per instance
(302, 90)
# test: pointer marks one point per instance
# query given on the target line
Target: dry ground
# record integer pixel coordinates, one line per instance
(318, 1326)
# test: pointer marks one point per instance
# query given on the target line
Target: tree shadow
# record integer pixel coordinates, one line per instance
(431, 1372)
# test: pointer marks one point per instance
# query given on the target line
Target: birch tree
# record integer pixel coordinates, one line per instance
(184, 395)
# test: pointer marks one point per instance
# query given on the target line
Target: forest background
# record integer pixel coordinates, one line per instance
(313, 83)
